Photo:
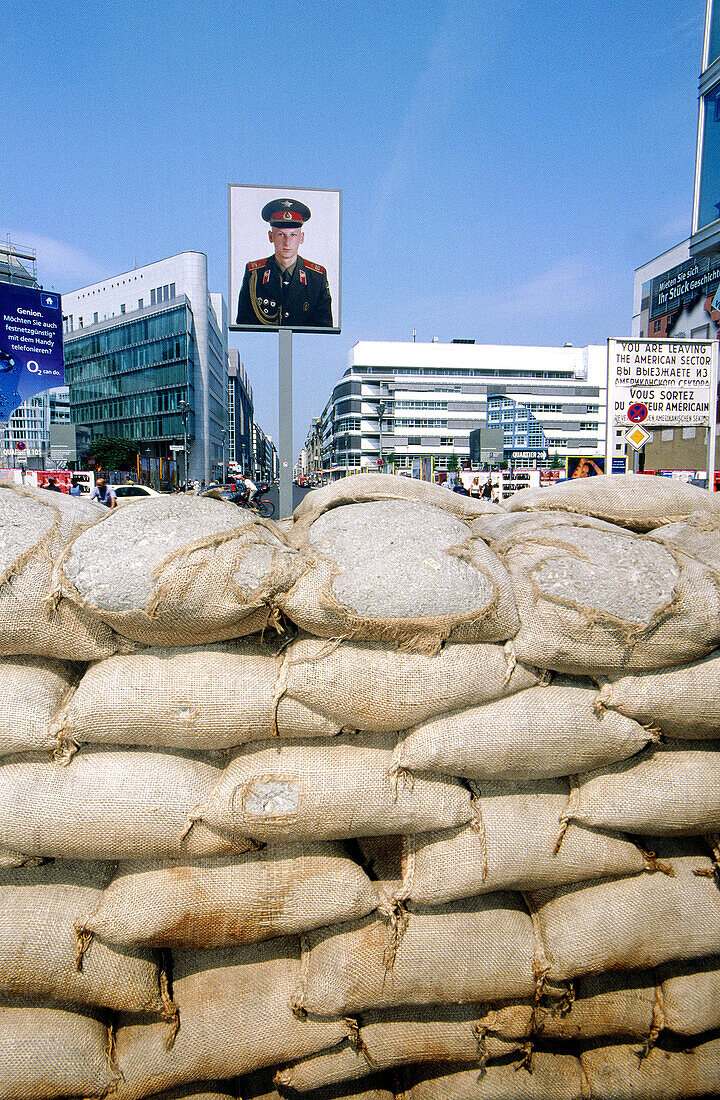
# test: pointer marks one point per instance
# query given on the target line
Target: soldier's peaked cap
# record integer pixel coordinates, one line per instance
(285, 212)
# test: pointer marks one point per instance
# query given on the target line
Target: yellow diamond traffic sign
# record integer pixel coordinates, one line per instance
(637, 437)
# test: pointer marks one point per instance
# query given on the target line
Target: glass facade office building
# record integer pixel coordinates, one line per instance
(127, 378)
(137, 347)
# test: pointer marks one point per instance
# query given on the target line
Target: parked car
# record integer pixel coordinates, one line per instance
(130, 491)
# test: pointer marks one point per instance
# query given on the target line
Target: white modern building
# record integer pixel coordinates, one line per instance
(413, 403)
(146, 358)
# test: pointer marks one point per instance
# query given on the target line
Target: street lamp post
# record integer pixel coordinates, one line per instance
(381, 413)
(223, 433)
(184, 407)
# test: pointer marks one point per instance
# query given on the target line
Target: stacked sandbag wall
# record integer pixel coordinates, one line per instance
(411, 796)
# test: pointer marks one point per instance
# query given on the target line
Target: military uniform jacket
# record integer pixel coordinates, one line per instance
(306, 303)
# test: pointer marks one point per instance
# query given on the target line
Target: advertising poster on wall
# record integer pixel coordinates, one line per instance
(585, 466)
(31, 344)
(285, 259)
(682, 300)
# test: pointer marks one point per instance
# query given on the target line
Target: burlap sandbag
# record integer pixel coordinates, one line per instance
(698, 537)
(35, 527)
(549, 1077)
(39, 908)
(599, 602)
(635, 501)
(50, 1051)
(543, 732)
(619, 1004)
(278, 891)
(108, 804)
(682, 702)
(180, 570)
(200, 698)
(401, 572)
(512, 845)
(691, 995)
(622, 1004)
(365, 488)
(632, 923)
(668, 1072)
(479, 949)
(32, 690)
(669, 790)
(211, 1090)
(398, 1036)
(235, 1017)
(327, 789)
(501, 530)
(260, 1086)
(375, 686)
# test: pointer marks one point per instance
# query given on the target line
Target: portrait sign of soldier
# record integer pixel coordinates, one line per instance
(286, 289)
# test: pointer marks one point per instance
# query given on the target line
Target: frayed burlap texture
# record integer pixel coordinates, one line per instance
(39, 909)
(635, 501)
(178, 571)
(595, 602)
(401, 572)
(35, 529)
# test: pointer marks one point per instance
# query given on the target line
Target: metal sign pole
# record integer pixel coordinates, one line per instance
(609, 414)
(285, 437)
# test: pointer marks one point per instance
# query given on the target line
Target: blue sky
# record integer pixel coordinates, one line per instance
(505, 167)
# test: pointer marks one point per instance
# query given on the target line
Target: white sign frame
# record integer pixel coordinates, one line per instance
(672, 379)
(248, 241)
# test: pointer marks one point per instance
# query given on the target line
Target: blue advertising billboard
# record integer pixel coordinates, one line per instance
(31, 344)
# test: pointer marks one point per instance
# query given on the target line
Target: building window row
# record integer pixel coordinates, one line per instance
(441, 405)
(440, 372)
(400, 423)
